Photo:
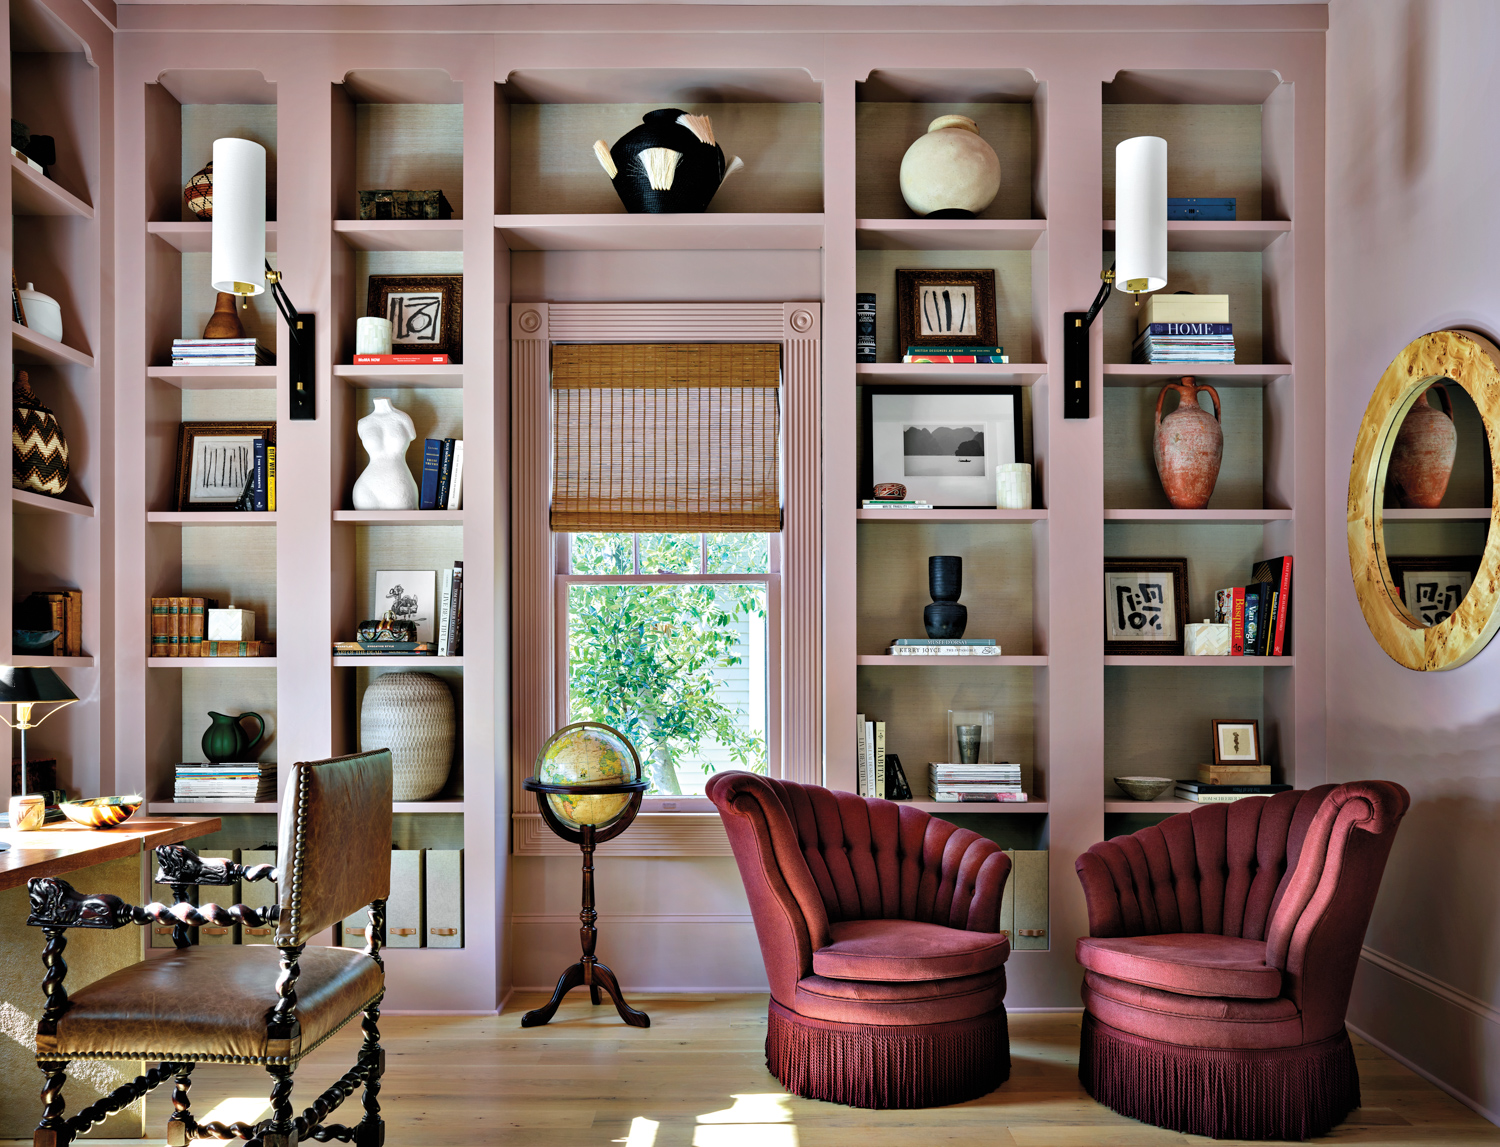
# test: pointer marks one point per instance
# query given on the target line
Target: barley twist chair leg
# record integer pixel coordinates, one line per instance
(180, 1125)
(281, 1129)
(371, 1129)
(53, 1130)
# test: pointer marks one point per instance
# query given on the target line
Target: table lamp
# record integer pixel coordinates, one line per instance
(26, 689)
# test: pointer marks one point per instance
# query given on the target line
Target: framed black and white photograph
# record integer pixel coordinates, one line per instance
(942, 445)
(408, 595)
(1431, 588)
(1145, 605)
(1236, 742)
(426, 312)
(945, 308)
(215, 461)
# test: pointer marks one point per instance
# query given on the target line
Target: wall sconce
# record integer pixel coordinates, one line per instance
(1140, 255)
(239, 264)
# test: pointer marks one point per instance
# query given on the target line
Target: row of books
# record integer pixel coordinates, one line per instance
(220, 352)
(943, 647)
(260, 489)
(442, 485)
(179, 626)
(967, 784)
(424, 909)
(1259, 614)
(450, 626)
(228, 782)
(60, 610)
(877, 772)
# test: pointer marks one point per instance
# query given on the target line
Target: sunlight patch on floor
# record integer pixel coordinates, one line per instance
(642, 1133)
(755, 1120)
(237, 1109)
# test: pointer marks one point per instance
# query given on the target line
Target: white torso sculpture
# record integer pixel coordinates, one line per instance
(387, 483)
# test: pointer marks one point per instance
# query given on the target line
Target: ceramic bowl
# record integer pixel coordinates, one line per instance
(1144, 788)
(101, 812)
(33, 640)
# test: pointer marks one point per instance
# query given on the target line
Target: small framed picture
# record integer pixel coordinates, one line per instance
(1432, 588)
(215, 461)
(408, 595)
(1237, 743)
(426, 312)
(1145, 605)
(942, 445)
(945, 308)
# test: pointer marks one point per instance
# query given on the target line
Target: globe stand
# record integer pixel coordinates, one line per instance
(588, 971)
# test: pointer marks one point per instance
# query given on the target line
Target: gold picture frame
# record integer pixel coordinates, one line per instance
(426, 312)
(211, 461)
(958, 305)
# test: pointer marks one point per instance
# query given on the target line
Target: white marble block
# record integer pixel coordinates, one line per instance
(1205, 639)
(231, 625)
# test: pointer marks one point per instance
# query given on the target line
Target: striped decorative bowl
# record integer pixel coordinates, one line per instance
(101, 812)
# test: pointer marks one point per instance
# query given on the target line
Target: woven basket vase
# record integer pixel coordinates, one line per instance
(411, 714)
(39, 451)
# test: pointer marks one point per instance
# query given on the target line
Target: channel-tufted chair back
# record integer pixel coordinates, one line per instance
(810, 856)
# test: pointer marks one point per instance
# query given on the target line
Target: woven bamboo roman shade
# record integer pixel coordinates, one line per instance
(652, 437)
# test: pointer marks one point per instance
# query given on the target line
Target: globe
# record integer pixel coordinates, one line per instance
(588, 754)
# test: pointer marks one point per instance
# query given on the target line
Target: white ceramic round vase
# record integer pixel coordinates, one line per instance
(43, 314)
(411, 714)
(950, 173)
(387, 483)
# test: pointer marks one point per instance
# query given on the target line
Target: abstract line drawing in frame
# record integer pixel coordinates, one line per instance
(215, 460)
(945, 308)
(426, 312)
(1145, 605)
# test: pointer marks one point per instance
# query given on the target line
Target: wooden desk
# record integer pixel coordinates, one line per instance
(92, 860)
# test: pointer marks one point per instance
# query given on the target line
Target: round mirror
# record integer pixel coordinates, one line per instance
(1421, 492)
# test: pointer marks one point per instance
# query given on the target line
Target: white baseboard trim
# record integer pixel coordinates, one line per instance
(609, 918)
(1432, 985)
(1440, 1084)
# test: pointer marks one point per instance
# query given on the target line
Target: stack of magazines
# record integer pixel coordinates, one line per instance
(975, 783)
(220, 352)
(230, 783)
(1184, 342)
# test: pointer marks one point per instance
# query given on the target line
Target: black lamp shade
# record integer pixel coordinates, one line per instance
(33, 686)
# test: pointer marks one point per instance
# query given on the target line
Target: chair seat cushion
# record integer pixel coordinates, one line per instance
(907, 950)
(1192, 1021)
(1189, 963)
(900, 1002)
(210, 1004)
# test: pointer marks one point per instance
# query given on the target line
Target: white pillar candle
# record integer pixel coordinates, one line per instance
(238, 265)
(372, 335)
(1141, 214)
(1013, 486)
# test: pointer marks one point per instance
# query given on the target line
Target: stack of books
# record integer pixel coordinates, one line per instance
(960, 354)
(895, 504)
(964, 784)
(1204, 793)
(943, 647)
(1184, 328)
(179, 626)
(220, 352)
(1259, 614)
(385, 649)
(400, 360)
(238, 783)
(442, 486)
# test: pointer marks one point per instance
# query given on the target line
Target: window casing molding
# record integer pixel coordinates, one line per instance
(687, 825)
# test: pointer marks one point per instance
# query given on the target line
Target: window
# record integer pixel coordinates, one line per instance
(673, 639)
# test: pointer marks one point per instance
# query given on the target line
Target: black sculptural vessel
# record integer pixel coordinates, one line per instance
(671, 163)
(945, 581)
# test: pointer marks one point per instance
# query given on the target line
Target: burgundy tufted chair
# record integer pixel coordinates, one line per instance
(880, 928)
(1221, 950)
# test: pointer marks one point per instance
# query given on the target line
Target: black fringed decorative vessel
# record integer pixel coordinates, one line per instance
(671, 164)
(945, 582)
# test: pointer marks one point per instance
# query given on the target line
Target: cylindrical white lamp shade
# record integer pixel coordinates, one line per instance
(1140, 214)
(239, 226)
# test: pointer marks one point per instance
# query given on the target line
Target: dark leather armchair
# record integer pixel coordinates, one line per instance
(880, 928)
(250, 1004)
(1221, 952)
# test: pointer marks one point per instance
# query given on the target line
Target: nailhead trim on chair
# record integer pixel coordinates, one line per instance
(299, 844)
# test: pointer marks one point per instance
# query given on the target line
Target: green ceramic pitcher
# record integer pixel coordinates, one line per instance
(226, 739)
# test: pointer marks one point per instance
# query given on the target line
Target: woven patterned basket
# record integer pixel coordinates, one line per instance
(39, 450)
(412, 715)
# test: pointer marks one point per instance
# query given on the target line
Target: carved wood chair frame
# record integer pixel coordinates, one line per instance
(56, 906)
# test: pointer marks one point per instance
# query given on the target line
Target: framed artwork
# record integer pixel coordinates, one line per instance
(945, 308)
(942, 445)
(426, 312)
(1432, 588)
(215, 461)
(408, 595)
(1145, 605)
(1237, 742)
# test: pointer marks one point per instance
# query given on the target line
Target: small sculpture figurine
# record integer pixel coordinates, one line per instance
(387, 483)
(670, 164)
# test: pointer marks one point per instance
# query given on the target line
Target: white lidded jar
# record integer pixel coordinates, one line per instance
(43, 314)
(950, 173)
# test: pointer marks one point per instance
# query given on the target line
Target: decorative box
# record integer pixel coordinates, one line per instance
(1234, 774)
(1205, 639)
(398, 203)
(445, 898)
(1218, 210)
(380, 630)
(404, 916)
(231, 625)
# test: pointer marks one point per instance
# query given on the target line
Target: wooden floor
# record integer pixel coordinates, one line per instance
(697, 1078)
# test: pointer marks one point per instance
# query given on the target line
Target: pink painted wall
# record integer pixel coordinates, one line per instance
(1413, 244)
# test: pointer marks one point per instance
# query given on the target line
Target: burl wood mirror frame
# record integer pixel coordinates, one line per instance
(1473, 362)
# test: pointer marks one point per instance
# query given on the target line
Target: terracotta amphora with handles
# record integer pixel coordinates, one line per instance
(1189, 446)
